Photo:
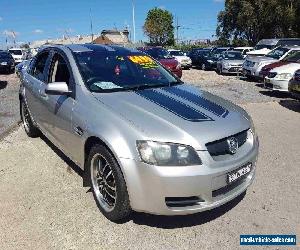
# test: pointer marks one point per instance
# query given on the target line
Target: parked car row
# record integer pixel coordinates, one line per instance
(9, 59)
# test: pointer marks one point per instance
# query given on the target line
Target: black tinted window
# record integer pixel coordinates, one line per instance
(59, 70)
(39, 66)
(5, 55)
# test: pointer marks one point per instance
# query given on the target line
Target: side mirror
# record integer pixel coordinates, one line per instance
(57, 88)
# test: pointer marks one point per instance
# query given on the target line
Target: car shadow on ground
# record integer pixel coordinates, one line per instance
(3, 84)
(247, 79)
(292, 105)
(181, 221)
(158, 221)
(276, 94)
(260, 85)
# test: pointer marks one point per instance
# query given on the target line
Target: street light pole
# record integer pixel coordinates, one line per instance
(133, 20)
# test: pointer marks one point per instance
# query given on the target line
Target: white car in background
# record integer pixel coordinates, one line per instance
(244, 50)
(278, 78)
(253, 65)
(18, 54)
(180, 57)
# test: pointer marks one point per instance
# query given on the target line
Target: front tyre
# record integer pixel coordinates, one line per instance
(30, 129)
(108, 184)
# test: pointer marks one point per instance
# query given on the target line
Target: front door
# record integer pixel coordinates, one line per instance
(57, 110)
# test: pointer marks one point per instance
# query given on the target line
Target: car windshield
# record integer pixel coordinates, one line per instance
(158, 53)
(293, 56)
(176, 53)
(218, 52)
(263, 46)
(16, 52)
(233, 56)
(5, 55)
(277, 53)
(112, 71)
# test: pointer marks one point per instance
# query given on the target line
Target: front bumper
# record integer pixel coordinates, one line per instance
(276, 85)
(177, 72)
(186, 64)
(233, 69)
(150, 187)
(252, 72)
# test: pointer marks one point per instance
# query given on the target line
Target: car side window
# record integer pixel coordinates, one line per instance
(59, 70)
(39, 66)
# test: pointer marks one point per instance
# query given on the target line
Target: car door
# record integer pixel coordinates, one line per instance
(56, 111)
(32, 79)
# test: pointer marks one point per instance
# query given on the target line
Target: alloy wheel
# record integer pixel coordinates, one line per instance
(103, 182)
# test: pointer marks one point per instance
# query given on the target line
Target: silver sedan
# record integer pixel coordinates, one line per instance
(145, 140)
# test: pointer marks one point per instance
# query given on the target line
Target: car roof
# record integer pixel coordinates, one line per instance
(232, 51)
(296, 47)
(274, 41)
(94, 47)
(243, 48)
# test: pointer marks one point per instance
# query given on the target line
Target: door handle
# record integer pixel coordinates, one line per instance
(43, 94)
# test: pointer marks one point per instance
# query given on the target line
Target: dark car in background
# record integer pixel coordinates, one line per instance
(201, 58)
(7, 63)
(294, 85)
(163, 56)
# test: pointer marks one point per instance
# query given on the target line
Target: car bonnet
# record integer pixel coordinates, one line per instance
(182, 114)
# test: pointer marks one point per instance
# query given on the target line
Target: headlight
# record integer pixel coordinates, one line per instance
(210, 61)
(226, 65)
(284, 76)
(4, 63)
(167, 154)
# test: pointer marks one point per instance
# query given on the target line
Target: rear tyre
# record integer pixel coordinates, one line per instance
(30, 129)
(108, 184)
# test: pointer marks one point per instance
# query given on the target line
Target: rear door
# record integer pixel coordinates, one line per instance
(33, 78)
(56, 110)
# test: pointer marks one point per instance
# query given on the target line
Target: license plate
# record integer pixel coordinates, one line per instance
(239, 173)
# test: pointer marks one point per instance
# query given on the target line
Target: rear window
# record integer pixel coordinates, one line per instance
(288, 42)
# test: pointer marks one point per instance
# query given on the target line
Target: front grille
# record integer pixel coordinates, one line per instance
(272, 74)
(234, 69)
(220, 147)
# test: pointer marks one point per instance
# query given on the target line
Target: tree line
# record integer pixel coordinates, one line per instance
(242, 22)
(252, 20)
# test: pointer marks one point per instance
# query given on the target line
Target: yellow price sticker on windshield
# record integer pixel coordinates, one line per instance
(144, 61)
